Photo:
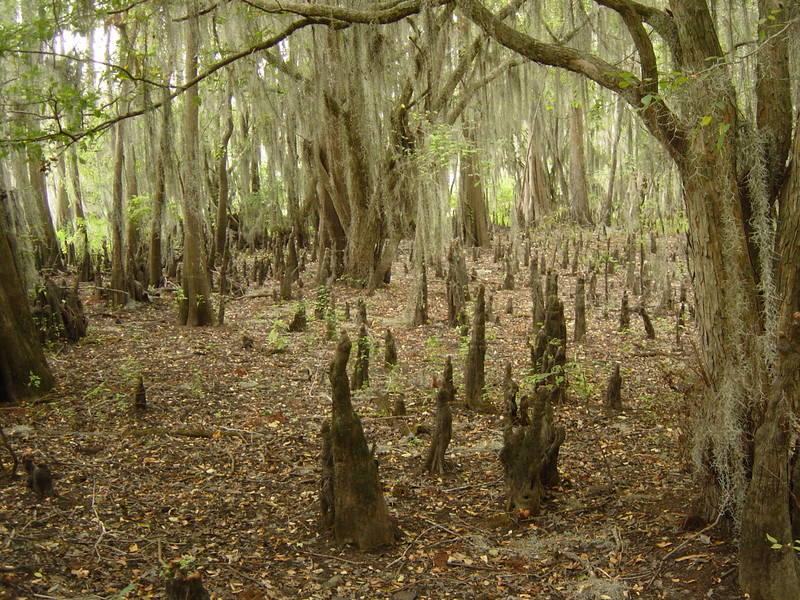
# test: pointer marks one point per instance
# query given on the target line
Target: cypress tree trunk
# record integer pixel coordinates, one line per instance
(119, 289)
(474, 218)
(195, 305)
(84, 252)
(46, 240)
(23, 368)
(578, 187)
(221, 229)
(154, 274)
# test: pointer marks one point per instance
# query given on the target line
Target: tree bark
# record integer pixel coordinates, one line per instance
(221, 229)
(24, 370)
(45, 241)
(354, 507)
(361, 368)
(154, 273)
(474, 217)
(118, 295)
(580, 310)
(577, 169)
(443, 429)
(195, 304)
(474, 376)
(84, 251)
(530, 457)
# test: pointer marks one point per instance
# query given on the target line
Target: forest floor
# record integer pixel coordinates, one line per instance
(222, 469)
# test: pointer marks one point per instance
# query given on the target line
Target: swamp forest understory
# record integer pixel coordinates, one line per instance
(408, 299)
(222, 468)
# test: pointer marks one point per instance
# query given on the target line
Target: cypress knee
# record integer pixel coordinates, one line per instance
(357, 513)
(580, 310)
(474, 375)
(440, 440)
(361, 369)
(614, 391)
(390, 353)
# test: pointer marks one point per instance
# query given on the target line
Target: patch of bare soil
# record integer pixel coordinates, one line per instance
(222, 469)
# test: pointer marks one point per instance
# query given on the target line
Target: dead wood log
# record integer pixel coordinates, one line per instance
(355, 509)
(443, 429)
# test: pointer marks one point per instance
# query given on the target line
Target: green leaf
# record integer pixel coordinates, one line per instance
(705, 120)
(123, 593)
(771, 539)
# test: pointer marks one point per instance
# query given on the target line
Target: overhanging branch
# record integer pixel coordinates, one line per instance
(101, 127)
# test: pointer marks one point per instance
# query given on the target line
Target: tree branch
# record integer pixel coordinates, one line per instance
(655, 114)
(381, 16)
(641, 40)
(467, 94)
(85, 60)
(661, 21)
(101, 127)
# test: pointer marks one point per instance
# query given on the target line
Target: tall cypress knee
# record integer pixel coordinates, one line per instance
(352, 500)
(474, 375)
